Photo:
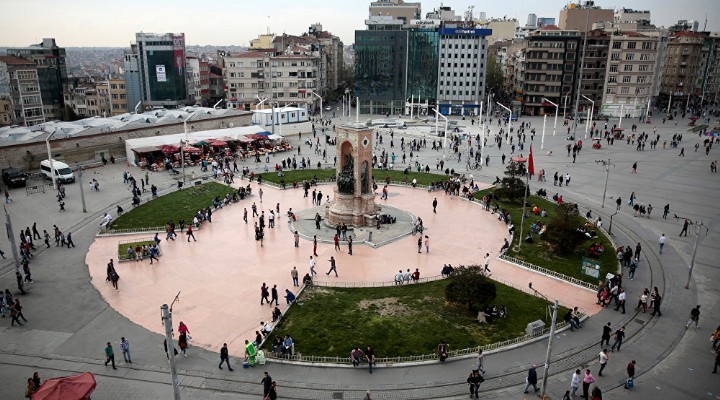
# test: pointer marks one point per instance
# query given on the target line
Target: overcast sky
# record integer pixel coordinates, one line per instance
(236, 22)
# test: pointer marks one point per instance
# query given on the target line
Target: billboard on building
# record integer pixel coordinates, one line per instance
(466, 31)
(179, 53)
(160, 73)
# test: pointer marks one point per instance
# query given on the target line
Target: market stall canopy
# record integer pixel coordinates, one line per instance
(264, 133)
(518, 159)
(713, 133)
(190, 149)
(246, 139)
(169, 148)
(76, 387)
(201, 143)
(146, 149)
(276, 137)
(256, 136)
(217, 143)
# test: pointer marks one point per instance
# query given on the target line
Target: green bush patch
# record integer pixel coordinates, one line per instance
(395, 176)
(122, 247)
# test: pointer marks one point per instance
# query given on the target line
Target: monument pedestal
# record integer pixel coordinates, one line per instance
(352, 210)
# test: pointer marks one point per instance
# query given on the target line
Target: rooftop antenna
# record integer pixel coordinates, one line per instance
(705, 24)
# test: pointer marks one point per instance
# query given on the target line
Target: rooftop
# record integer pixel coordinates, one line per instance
(11, 135)
(12, 60)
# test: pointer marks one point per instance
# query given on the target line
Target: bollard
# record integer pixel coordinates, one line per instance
(370, 236)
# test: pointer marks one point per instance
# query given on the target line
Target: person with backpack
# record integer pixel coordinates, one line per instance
(475, 379)
(631, 375)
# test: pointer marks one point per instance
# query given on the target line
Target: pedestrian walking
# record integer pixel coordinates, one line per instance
(312, 267)
(14, 312)
(69, 241)
(264, 294)
(224, 357)
(296, 235)
(109, 355)
(294, 274)
(274, 295)
(694, 317)
(661, 242)
(685, 227)
(634, 168)
(475, 379)
(419, 244)
(575, 382)
(349, 242)
(666, 211)
(631, 375)
(336, 240)
(183, 343)
(607, 330)
(656, 300)
(531, 380)
(434, 204)
(480, 361)
(190, 233)
(267, 383)
(427, 244)
(603, 355)
(717, 361)
(621, 300)
(486, 262)
(333, 267)
(125, 348)
(588, 379)
(315, 245)
(370, 357)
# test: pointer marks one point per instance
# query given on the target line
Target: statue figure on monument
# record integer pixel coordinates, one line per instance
(364, 174)
(346, 179)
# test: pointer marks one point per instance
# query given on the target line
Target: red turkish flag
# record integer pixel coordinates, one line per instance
(531, 165)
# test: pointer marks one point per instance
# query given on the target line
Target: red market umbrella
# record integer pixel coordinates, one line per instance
(168, 148)
(217, 143)
(518, 159)
(191, 150)
(256, 136)
(76, 387)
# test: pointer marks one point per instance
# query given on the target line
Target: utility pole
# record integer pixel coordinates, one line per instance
(582, 67)
(80, 182)
(11, 238)
(549, 349)
(167, 321)
(698, 226)
(606, 165)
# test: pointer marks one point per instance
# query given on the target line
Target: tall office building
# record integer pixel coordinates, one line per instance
(161, 61)
(131, 70)
(51, 73)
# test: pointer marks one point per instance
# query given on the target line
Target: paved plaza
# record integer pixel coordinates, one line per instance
(72, 311)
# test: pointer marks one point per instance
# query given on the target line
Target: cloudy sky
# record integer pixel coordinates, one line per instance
(236, 22)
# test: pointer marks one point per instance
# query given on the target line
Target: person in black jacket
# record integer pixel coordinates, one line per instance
(224, 357)
(475, 379)
(531, 379)
(267, 383)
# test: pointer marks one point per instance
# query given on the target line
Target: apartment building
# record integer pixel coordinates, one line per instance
(287, 79)
(21, 83)
(118, 96)
(551, 63)
(582, 17)
(686, 66)
(6, 110)
(88, 99)
(198, 80)
(594, 68)
(632, 71)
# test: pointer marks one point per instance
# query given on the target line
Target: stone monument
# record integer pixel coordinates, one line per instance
(354, 202)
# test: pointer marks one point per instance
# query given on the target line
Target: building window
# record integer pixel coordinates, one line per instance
(644, 57)
(612, 79)
(628, 68)
(616, 45)
(614, 68)
(624, 90)
(626, 79)
(629, 56)
(615, 57)
(643, 68)
(631, 45)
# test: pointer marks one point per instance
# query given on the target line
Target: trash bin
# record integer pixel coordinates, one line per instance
(535, 327)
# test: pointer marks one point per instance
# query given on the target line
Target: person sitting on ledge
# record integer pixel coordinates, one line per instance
(307, 280)
(276, 314)
(447, 270)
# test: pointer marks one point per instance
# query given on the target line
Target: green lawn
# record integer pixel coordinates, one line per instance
(540, 253)
(399, 321)
(122, 247)
(379, 174)
(184, 203)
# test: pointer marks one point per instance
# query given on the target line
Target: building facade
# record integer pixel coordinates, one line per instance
(632, 71)
(397, 9)
(118, 96)
(51, 73)
(686, 61)
(582, 17)
(161, 62)
(595, 68)
(380, 72)
(131, 71)
(551, 63)
(198, 81)
(19, 80)
(461, 78)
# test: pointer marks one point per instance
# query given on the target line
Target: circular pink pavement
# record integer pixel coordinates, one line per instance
(220, 275)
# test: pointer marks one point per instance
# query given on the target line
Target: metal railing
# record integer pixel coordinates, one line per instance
(545, 271)
(375, 284)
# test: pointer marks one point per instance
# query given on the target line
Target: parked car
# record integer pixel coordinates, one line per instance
(14, 177)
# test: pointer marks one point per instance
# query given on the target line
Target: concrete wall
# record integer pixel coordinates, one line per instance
(90, 148)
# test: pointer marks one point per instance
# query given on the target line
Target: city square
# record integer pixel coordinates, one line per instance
(212, 284)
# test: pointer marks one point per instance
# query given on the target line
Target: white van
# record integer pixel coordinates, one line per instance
(63, 173)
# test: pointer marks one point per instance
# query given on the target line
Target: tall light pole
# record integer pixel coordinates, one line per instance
(321, 102)
(437, 114)
(557, 109)
(622, 111)
(11, 239)
(606, 165)
(509, 121)
(669, 103)
(182, 145)
(582, 68)
(698, 226)
(482, 129)
(549, 349)
(167, 321)
(542, 140)
(50, 160)
(82, 189)
(589, 116)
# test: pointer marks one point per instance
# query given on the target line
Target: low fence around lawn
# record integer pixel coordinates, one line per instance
(553, 274)
(122, 256)
(299, 358)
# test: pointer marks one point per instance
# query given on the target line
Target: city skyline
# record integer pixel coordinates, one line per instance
(87, 27)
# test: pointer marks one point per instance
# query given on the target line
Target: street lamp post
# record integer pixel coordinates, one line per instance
(167, 321)
(549, 349)
(509, 121)
(80, 182)
(622, 110)
(50, 160)
(482, 129)
(321, 102)
(437, 114)
(542, 140)
(557, 111)
(11, 239)
(606, 165)
(590, 116)
(611, 219)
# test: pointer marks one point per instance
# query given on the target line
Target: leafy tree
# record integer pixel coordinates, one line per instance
(494, 75)
(512, 186)
(562, 230)
(470, 287)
